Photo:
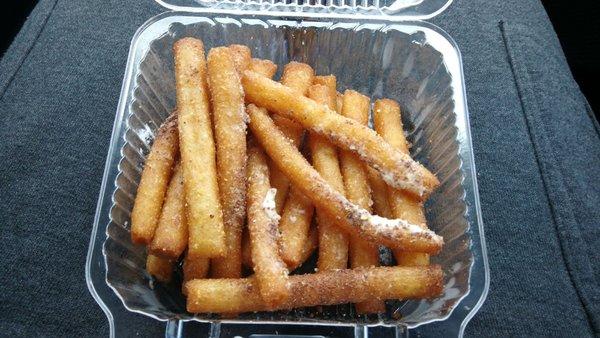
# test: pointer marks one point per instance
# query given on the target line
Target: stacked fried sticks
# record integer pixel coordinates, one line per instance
(212, 192)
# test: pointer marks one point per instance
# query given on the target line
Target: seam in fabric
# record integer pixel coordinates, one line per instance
(21, 60)
(558, 220)
(590, 112)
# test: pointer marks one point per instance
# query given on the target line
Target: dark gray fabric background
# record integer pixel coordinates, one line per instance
(537, 150)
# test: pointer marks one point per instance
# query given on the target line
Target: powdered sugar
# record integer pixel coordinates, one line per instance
(409, 178)
(269, 205)
(383, 225)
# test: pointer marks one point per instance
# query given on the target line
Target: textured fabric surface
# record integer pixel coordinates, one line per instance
(537, 150)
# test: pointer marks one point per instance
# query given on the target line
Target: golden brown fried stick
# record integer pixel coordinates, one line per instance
(379, 194)
(310, 245)
(362, 253)
(204, 215)
(333, 243)
(229, 118)
(241, 57)
(297, 211)
(160, 268)
(171, 236)
(265, 67)
(327, 288)
(297, 76)
(339, 100)
(153, 184)
(328, 81)
(278, 180)
(355, 220)
(195, 268)
(292, 130)
(294, 226)
(388, 123)
(270, 271)
(355, 106)
(396, 168)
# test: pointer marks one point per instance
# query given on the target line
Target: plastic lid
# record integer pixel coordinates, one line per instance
(398, 9)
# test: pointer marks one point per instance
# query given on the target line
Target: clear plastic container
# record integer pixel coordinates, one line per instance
(378, 48)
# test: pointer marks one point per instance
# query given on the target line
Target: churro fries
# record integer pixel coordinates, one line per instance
(395, 233)
(205, 218)
(271, 273)
(228, 114)
(387, 121)
(396, 168)
(299, 77)
(242, 57)
(230, 187)
(171, 236)
(327, 288)
(159, 267)
(154, 182)
(333, 244)
(265, 67)
(362, 253)
(297, 210)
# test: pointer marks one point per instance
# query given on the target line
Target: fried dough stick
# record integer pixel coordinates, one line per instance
(396, 168)
(297, 76)
(241, 57)
(265, 67)
(271, 273)
(159, 267)
(154, 182)
(205, 218)
(294, 226)
(195, 268)
(229, 120)
(310, 246)
(381, 205)
(333, 243)
(351, 218)
(297, 210)
(362, 253)
(388, 123)
(328, 81)
(171, 236)
(327, 288)
(312, 242)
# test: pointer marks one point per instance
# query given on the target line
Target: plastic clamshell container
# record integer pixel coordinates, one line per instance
(371, 47)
